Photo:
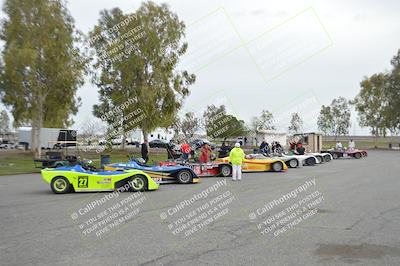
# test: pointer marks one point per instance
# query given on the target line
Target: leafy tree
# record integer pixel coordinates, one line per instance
(392, 111)
(40, 69)
(325, 120)
(341, 116)
(4, 122)
(267, 120)
(141, 67)
(264, 122)
(189, 125)
(219, 124)
(371, 103)
(296, 123)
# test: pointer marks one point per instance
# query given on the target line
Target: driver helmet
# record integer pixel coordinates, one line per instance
(140, 160)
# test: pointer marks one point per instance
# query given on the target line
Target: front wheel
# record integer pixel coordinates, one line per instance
(226, 170)
(184, 177)
(138, 183)
(357, 155)
(293, 163)
(327, 158)
(277, 167)
(60, 185)
(335, 156)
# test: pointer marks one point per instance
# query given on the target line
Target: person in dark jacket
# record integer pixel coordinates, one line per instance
(145, 151)
(264, 147)
(224, 150)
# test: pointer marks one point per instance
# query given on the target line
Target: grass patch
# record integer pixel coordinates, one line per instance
(21, 162)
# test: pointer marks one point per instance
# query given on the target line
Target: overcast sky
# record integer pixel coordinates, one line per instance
(284, 56)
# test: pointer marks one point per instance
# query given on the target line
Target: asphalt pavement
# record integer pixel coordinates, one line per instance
(343, 212)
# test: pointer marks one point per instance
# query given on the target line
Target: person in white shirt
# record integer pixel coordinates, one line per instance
(352, 145)
(339, 145)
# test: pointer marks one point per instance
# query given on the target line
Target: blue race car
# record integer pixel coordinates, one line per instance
(161, 174)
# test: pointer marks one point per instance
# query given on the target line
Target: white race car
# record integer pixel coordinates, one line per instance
(308, 159)
(291, 161)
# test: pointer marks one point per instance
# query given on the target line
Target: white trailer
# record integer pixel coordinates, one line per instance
(49, 137)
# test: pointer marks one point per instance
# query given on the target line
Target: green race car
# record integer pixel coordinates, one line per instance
(80, 178)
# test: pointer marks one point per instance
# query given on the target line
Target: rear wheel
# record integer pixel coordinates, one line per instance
(320, 159)
(311, 161)
(293, 163)
(138, 183)
(184, 177)
(60, 185)
(277, 167)
(357, 155)
(226, 170)
(327, 158)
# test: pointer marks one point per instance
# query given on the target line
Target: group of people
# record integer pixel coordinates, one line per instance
(296, 148)
(265, 148)
(352, 145)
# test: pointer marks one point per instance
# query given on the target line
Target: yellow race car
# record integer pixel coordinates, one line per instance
(251, 164)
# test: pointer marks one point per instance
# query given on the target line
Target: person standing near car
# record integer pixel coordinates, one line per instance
(352, 145)
(224, 150)
(185, 148)
(339, 145)
(264, 147)
(205, 154)
(300, 150)
(236, 157)
(145, 151)
(170, 149)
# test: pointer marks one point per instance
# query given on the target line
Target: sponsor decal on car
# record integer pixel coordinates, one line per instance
(104, 181)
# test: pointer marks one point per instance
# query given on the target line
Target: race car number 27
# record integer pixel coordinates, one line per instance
(83, 181)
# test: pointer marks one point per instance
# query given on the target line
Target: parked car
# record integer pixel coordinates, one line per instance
(198, 143)
(203, 169)
(160, 174)
(7, 146)
(81, 178)
(356, 153)
(158, 143)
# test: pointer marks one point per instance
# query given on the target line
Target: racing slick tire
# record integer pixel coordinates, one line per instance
(357, 155)
(311, 161)
(60, 185)
(138, 183)
(277, 167)
(184, 177)
(225, 170)
(293, 163)
(320, 158)
(335, 155)
(327, 158)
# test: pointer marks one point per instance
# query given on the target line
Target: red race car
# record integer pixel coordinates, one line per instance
(204, 169)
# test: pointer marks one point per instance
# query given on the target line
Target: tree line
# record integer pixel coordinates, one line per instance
(135, 56)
